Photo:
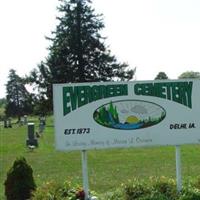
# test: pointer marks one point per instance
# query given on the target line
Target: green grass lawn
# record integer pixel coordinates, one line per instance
(107, 168)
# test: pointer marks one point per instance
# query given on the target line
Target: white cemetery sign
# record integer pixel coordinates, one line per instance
(126, 114)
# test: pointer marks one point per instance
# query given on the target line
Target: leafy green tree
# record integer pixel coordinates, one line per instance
(19, 100)
(161, 75)
(189, 74)
(78, 52)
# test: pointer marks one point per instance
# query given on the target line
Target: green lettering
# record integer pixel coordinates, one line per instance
(66, 100)
(180, 92)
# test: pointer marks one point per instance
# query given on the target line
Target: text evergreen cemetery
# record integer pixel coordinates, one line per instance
(77, 96)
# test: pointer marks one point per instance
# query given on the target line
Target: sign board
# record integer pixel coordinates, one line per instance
(126, 114)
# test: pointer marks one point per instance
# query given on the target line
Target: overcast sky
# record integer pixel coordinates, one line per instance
(152, 35)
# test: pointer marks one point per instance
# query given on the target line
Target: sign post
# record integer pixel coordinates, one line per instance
(178, 169)
(85, 174)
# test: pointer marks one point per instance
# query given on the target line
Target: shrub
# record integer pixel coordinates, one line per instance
(117, 194)
(190, 194)
(54, 191)
(157, 189)
(197, 183)
(135, 190)
(48, 191)
(164, 186)
(19, 183)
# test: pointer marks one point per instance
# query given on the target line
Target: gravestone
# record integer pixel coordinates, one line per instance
(31, 141)
(25, 120)
(42, 123)
(5, 123)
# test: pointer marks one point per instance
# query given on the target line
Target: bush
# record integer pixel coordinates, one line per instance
(117, 194)
(19, 183)
(164, 186)
(54, 191)
(155, 189)
(135, 190)
(197, 183)
(190, 194)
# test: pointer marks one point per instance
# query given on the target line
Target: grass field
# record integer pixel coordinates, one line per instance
(107, 168)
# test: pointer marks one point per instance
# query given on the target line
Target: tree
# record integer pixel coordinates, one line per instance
(19, 183)
(19, 101)
(2, 108)
(77, 52)
(161, 75)
(189, 74)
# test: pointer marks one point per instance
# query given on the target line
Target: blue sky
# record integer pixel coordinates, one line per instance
(152, 35)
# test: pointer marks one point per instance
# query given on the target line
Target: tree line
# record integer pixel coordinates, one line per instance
(77, 53)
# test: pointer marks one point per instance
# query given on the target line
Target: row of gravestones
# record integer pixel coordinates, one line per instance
(8, 122)
(24, 121)
(32, 135)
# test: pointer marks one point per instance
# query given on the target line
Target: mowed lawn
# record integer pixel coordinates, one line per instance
(108, 169)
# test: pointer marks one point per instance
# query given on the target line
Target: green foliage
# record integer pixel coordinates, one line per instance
(156, 189)
(189, 74)
(190, 194)
(161, 75)
(19, 183)
(117, 194)
(2, 102)
(2, 113)
(164, 186)
(197, 183)
(77, 52)
(2, 108)
(19, 100)
(135, 190)
(53, 191)
(191, 191)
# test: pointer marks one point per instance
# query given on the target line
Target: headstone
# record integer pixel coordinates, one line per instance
(42, 123)
(31, 141)
(25, 120)
(5, 123)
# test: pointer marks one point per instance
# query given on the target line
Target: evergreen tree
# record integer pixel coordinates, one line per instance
(19, 183)
(19, 101)
(77, 52)
(161, 75)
